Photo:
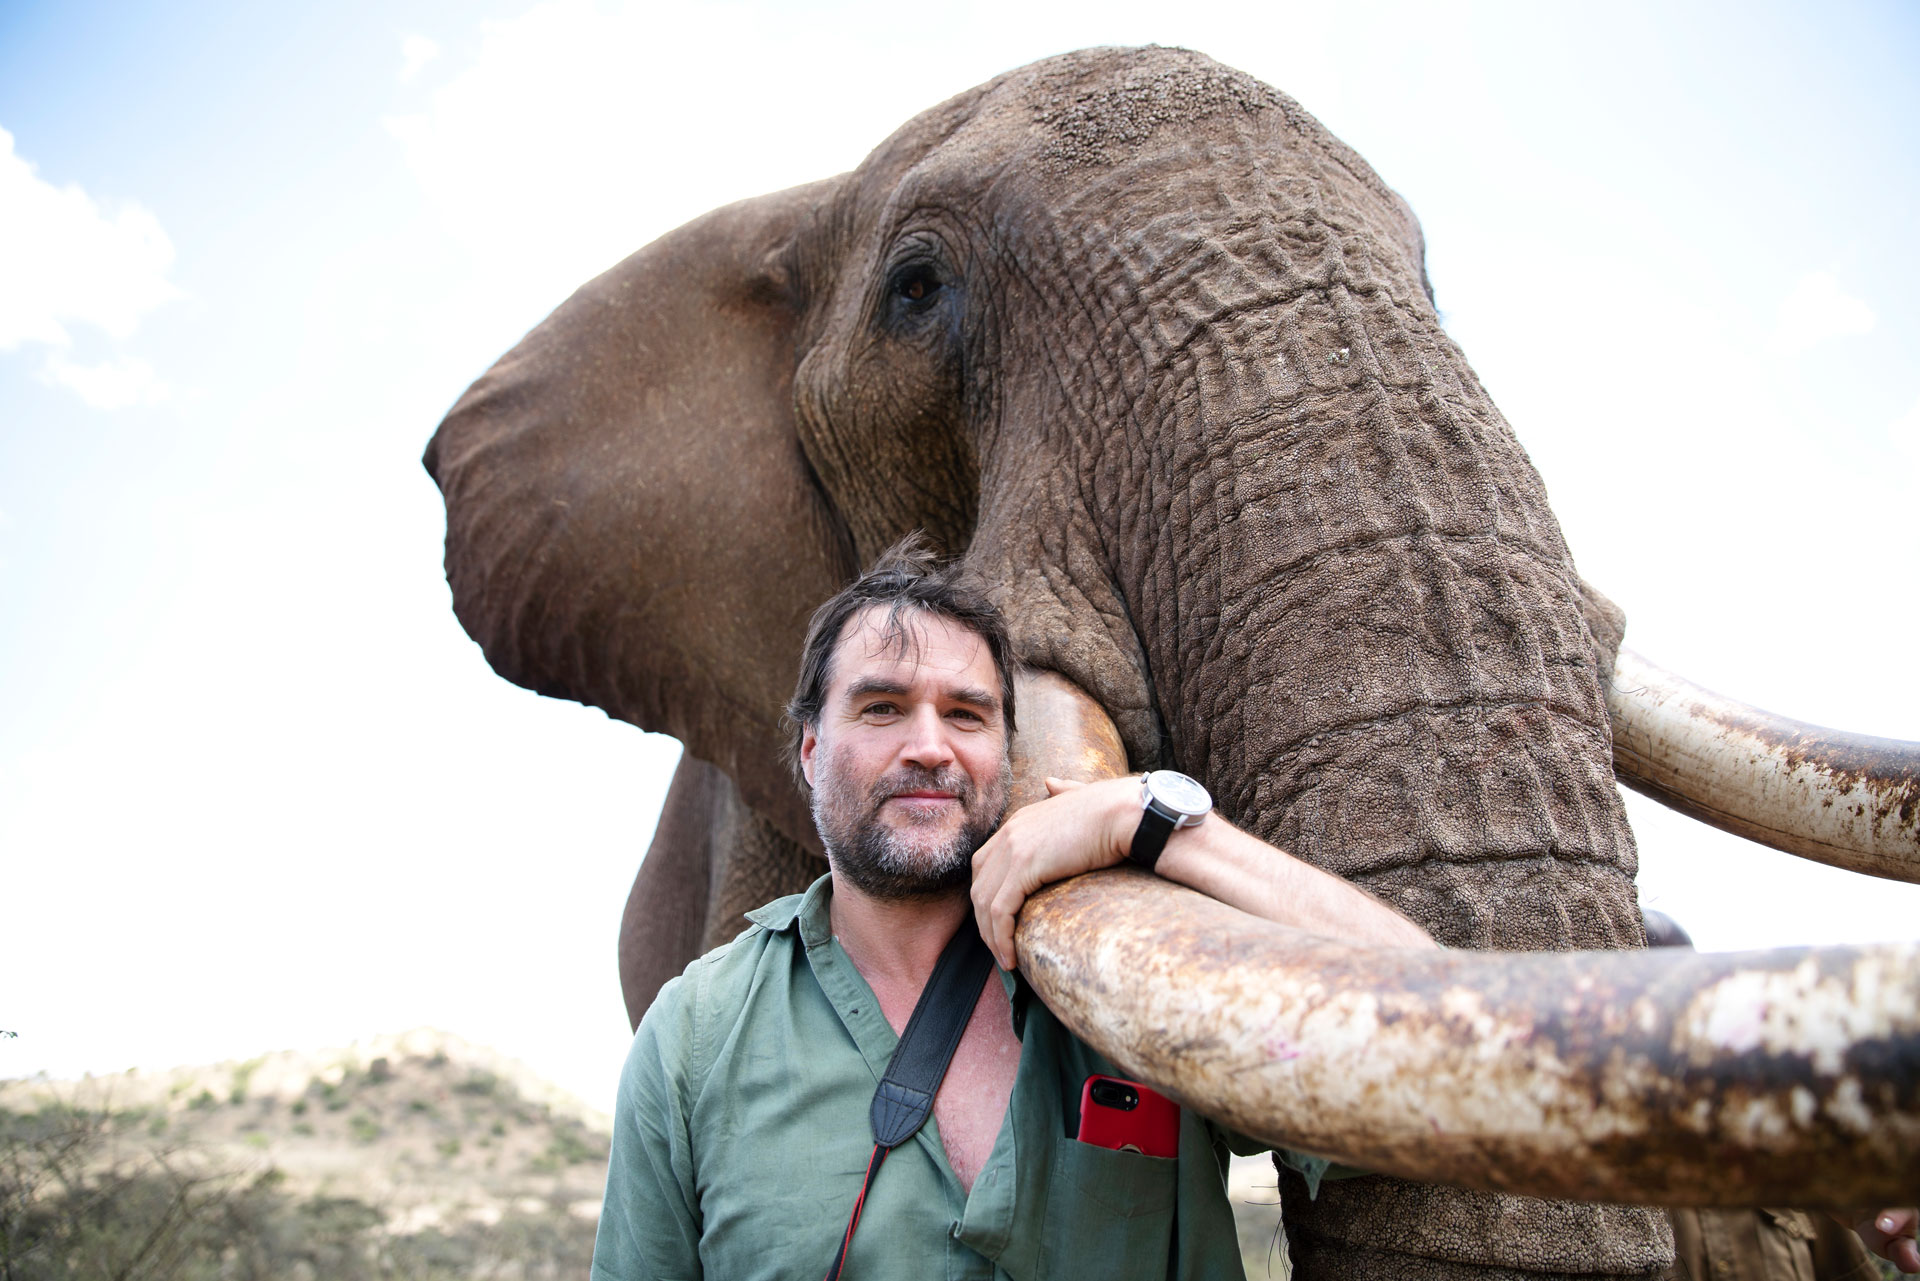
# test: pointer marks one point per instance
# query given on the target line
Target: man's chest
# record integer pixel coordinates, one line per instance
(972, 1102)
(780, 1141)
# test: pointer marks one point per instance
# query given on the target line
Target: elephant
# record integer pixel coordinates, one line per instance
(1135, 338)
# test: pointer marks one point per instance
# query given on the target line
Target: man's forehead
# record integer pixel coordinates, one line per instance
(909, 644)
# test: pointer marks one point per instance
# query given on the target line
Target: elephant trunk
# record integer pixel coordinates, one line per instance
(1400, 684)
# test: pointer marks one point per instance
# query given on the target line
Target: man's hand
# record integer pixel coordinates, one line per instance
(1079, 827)
(1890, 1234)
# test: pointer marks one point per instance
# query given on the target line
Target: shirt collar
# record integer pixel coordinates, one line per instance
(808, 912)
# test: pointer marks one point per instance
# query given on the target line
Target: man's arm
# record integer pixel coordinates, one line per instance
(650, 1220)
(1084, 826)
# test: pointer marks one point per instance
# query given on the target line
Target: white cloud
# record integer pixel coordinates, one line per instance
(418, 52)
(111, 384)
(66, 261)
(1817, 311)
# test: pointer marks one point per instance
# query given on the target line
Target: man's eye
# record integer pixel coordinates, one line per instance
(879, 709)
(965, 714)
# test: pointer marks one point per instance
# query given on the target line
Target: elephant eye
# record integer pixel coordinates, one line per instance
(916, 283)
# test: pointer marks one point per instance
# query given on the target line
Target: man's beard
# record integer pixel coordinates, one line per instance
(888, 864)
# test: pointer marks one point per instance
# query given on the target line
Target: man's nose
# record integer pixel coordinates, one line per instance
(928, 742)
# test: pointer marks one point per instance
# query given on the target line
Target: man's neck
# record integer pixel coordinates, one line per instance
(894, 942)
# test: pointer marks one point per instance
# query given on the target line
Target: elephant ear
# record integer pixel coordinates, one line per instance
(630, 521)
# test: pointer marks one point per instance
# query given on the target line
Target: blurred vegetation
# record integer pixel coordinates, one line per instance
(89, 1195)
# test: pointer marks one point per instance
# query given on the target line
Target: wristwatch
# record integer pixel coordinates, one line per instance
(1168, 800)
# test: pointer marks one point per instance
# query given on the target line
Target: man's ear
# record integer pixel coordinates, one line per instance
(630, 521)
(809, 743)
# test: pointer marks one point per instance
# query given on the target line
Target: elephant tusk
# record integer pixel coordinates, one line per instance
(1844, 799)
(1063, 731)
(1789, 1077)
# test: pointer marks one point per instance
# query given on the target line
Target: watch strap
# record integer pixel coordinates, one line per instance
(1150, 837)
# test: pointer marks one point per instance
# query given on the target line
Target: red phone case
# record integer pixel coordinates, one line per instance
(1151, 1126)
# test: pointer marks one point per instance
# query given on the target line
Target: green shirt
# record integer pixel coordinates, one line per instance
(741, 1140)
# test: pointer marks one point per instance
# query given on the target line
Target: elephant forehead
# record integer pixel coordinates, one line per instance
(1091, 108)
(1083, 119)
(1098, 105)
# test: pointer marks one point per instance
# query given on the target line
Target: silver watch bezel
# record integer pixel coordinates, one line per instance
(1180, 808)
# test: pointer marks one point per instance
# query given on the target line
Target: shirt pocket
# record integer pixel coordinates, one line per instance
(1109, 1214)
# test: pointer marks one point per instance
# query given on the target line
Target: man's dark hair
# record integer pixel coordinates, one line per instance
(908, 579)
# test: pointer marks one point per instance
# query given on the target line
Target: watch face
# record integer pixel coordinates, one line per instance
(1179, 793)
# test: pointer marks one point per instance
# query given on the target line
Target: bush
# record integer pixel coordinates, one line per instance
(242, 1075)
(74, 1205)
(480, 1082)
(570, 1145)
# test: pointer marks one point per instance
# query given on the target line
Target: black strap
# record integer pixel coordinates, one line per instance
(1150, 837)
(904, 1100)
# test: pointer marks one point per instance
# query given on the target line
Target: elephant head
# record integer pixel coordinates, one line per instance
(1155, 354)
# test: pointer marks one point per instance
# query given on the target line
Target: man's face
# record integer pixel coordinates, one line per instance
(909, 761)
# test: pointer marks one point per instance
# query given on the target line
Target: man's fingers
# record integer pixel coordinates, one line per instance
(1001, 884)
(992, 868)
(1002, 907)
(1898, 1250)
(1044, 842)
(1889, 1233)
(988, 871)
(1899, 1225)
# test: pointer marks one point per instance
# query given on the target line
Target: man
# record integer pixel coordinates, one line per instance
(741, 1134)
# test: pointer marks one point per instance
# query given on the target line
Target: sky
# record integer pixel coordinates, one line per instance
(259, 791)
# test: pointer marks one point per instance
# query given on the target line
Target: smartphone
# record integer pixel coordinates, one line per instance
(1128, 1117)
